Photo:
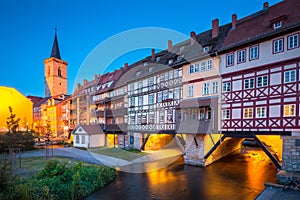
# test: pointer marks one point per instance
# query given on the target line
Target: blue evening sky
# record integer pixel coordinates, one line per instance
(27, 32)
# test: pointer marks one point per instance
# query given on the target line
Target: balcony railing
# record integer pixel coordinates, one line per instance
(151, 127)
(195, 126)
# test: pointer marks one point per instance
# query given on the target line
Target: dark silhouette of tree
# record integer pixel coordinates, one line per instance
(12, 122)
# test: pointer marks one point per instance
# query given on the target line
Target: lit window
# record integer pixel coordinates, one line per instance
(289, 110)
(293, 41)
(230, 59)
(226, 114)
(249, 83)
(253, 52)
(278, 46)
(262, 81)
(241, 56)
(277, 24)
(261, 112)
(191, 90)
(226, 87)
(205, 88)
(215, 87)
(290, 76)
(248, 112)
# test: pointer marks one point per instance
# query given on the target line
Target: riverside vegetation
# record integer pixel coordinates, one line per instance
(56, 181)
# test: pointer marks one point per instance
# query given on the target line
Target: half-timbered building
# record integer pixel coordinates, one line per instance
(260, 72)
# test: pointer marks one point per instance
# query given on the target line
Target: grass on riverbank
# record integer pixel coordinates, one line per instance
(128, 155)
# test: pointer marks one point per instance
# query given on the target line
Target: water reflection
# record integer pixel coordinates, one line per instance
(239, 176)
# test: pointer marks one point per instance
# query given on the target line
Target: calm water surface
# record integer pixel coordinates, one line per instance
(238, 176)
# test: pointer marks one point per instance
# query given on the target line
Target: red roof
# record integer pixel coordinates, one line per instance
(260, 24)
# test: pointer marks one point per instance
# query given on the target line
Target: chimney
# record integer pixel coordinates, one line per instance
(215, 28)
(96, 76)
(193, 37)
(125, 65)
(266, 5)
(169, 45)
(234, 21)
(152, 54)
(85, 82)
(78, 86)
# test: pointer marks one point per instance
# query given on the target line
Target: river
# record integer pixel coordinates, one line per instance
(238, 176)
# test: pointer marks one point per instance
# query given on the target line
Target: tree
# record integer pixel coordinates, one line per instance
(12, 123)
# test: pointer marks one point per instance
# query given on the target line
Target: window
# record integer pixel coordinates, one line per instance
(209, 64)
(208, 113)
(248, 112)
(132, 119)
(77, 139)
(202, 113)
(171, 74)
(289, 110)
(140, 102)
(151, 98)
(176, 73)
(151, 81)
(181, 49)
(278, 46)
(206, 49)
(215, 87)
(82, 139)
(277, 24)
(205, 88)
(59, 72)
(170, 61)
(177, 93)
(241, 56)
(261, 112)
(226, 87)
(230, 59)
(194, 68)
(293, 41)
(161, 116)
(290, 76)
(226, 114)
(132, 101)
(253, 52)
(170, 116)
(249, 83)
(159, 97)
(165, 94)
(194, 114)
(203, 66)
(144, 119)
(151, 118)
(157, 58)
(166, 76)
(190, 90)
(262, 81)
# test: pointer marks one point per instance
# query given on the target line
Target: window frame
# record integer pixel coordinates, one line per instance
(288, 41)
(289, 114)
(248, 111)
(205, 88)
(231, 58)
(259, 114)
(290, 81)
(190, 92)
(251, 47)
(273, 45)
(241, 52)
(253, 84)
(262, 85)
(228, 89)
(226, 114)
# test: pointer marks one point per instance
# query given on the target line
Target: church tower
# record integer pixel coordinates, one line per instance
(55, 70)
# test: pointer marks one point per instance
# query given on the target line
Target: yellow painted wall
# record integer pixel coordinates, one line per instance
(22, 107)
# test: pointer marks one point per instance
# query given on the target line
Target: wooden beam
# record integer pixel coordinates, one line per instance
(145, 141)
(215, 147)
(274, 160)
(283, 133)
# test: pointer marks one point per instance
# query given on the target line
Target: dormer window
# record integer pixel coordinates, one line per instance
(157, 58)
(170, 61)
(110, 77)
(151, 68)
(179, 58)
(181, 49)
(145, 63)
(206, 49)
(277, 24)
(138, 73)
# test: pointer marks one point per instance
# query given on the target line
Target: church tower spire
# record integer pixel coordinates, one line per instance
(55, 49)
(55, 72)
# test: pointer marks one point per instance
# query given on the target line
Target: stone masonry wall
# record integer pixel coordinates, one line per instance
(291, 154)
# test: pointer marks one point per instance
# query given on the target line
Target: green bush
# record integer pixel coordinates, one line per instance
(58, 181)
